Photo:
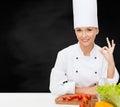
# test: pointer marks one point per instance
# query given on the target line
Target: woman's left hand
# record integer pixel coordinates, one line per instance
(107, 52)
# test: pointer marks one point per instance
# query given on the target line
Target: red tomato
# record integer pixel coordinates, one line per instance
(69, 98)
(80, 97)
(82, 105)
(74, 96)
(88, 97)
(64, 97)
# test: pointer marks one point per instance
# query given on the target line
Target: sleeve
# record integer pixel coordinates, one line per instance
(115, 78)
(104, 78)
(59, 83)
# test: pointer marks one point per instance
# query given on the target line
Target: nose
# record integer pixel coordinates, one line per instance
(84, 34)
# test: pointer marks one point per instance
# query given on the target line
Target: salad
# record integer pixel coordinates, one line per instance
(109, 93)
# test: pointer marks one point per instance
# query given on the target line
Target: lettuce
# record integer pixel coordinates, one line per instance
(109, 93)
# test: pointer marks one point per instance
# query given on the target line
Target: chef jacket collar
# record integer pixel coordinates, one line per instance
(81, 52)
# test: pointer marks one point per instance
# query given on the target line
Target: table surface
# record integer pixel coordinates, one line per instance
(29, 100)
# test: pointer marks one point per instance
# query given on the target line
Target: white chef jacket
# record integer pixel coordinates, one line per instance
(73, 69)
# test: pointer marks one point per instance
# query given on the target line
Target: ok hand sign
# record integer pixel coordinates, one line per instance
(107, 51)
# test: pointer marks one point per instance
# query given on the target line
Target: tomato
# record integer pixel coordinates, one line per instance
(80, 97)
(72, 96)
(88, 97)
(64, 97)
(82, 105)
(69, 98)
(75, 96)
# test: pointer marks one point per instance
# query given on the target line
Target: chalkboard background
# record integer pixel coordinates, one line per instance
(31, 34)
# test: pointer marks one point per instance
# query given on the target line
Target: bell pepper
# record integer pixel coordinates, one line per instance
(103, 104)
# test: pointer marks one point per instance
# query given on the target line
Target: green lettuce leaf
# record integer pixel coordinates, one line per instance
(109, 93)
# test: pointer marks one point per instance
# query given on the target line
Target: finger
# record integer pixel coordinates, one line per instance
(108, 42)
(113, 44)
(105, 48)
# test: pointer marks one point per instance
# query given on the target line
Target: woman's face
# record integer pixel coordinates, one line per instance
(86, 35)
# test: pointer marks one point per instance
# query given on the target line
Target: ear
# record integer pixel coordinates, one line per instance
(97, 31)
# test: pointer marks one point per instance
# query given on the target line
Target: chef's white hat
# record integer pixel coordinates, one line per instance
(85, 13)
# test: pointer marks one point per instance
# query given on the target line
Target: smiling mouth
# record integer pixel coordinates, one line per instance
(85, 40)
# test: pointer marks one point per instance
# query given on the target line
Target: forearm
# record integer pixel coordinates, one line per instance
(87, 90)
(111, 68)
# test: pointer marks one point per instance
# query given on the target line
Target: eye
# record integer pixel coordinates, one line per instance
(78, 30)
(89, 29)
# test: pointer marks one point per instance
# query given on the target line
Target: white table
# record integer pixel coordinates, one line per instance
(29, 100)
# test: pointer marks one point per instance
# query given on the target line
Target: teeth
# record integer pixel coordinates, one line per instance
(85, 40)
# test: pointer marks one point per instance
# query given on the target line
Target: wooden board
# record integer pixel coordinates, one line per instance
(77, 99)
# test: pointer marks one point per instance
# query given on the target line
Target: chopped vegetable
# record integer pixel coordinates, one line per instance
(109, 93)
(103, 104)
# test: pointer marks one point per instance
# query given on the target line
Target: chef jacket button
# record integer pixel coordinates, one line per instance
(95, 57)
(95, 72)
(76, 57)
(65, 82)
(76, 71)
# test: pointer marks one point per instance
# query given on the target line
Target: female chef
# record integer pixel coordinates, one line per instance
(83, 65)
